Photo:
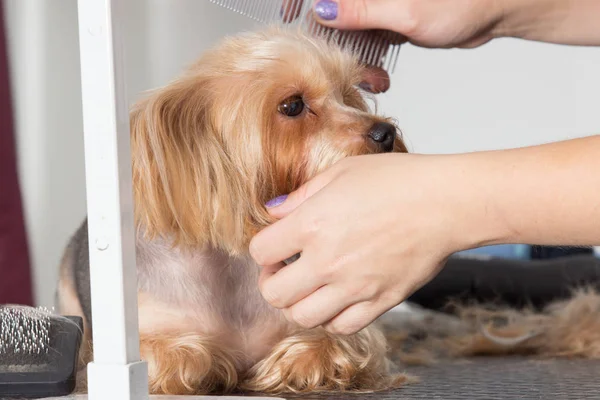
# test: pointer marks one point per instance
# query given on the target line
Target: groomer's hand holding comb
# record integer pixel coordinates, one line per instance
(463, 23)
(468, 23)
(428, 23)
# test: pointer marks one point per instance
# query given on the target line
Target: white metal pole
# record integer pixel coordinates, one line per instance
(116, 372)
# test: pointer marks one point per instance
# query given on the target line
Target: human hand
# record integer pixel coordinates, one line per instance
(468, 23)
(426, 23)
(430, 23)
(457, 23)
(366, 244)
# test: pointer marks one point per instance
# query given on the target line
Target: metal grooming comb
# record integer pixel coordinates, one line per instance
(376, 48)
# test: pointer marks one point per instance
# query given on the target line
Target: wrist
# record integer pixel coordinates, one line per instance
(544, 194)
(475, 216)
(528, 19)
(453, 197)
(572, 22)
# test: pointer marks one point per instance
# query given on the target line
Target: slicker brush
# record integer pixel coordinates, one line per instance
(38, 352)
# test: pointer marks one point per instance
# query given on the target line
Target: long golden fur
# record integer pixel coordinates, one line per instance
(208, 151)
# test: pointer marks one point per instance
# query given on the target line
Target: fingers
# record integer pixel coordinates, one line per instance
(320, 306)
(284, 286)
(356, 317)
(284, 205)
(277, 242)
(284, 238)
(360, 14)
(269, 271)
(265, 275)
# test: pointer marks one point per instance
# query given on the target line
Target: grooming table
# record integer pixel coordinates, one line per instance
(497, 378)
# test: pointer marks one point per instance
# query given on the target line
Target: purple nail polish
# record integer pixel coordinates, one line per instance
(276, 201)
(326, 9)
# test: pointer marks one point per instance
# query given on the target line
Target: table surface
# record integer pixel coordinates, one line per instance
(498, 378)
(501, 378)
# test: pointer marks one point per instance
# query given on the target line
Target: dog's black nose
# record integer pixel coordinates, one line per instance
(383, 135)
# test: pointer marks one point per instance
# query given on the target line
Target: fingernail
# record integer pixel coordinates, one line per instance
(276, 201)
(366, 86)
(326, 9)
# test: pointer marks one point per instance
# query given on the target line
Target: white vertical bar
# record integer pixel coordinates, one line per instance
(116, 371)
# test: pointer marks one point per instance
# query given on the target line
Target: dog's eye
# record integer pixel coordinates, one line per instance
(292, 106)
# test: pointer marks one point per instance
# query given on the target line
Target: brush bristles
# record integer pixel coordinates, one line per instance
(374, 48)
(24, 330)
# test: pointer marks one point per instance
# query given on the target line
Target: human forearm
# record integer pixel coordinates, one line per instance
(574, 22)
(547, 194)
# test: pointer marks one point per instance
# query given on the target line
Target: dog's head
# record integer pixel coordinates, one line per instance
(253, 119)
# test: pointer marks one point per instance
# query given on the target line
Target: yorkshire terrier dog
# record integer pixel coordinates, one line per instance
(252, 119)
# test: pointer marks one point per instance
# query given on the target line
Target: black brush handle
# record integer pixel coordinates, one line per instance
(55, 373)
(513, 283)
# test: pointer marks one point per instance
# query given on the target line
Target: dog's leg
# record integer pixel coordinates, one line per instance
(186, 355)
(314, 360)
(187, 364)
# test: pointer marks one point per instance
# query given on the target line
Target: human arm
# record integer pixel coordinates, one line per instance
(571, 22)
(368, 244)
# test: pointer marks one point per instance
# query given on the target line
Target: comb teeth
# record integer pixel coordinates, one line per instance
(376, 48)
(24, 330)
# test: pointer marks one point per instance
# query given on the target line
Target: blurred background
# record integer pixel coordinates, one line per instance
(505, 94)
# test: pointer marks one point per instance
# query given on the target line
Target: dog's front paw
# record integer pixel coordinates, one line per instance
(187, 365)
(316, 361)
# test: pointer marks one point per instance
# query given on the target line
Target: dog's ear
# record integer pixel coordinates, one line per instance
(185, 186)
